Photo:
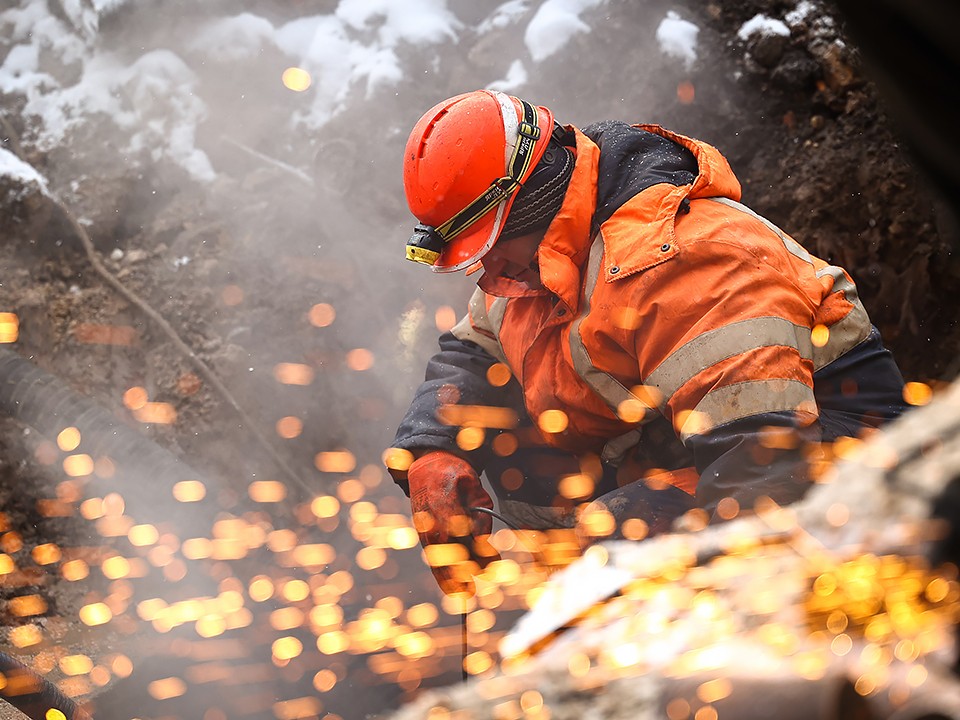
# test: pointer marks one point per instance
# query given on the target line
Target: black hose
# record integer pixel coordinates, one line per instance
(145, 472)
(33, 694)
(145, 475)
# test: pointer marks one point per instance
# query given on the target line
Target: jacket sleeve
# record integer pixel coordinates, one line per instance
(458, 376)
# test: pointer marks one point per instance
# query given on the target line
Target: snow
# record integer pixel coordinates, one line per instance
(235, 38)
(803, 10)
(156, 92)
(24, 20)
(412, 21)
(515, 79)
(105, 7)
(554, 23)
(678, 38)
(763, 25)
(504, 16)
(82, 16)
(13, 167)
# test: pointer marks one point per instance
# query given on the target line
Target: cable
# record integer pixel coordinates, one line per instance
(463, 644)
(493, 513)
(40, 696)
(533, 550)
(537, 556)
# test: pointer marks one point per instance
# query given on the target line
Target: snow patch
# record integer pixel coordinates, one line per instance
(105, 7)
(162, 89)
(801, 12)
(762, 25)
(154, 97)
(82, 16)
(330, 49)
(678, 38)
(516, 77)
(412, 21)
(555, 22)
(23, 173)
(24, 21)
(322, 48)
(507, 14)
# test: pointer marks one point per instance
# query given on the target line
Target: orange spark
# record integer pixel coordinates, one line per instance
(135, 398)
(231, 295)
(322, 315)
(360, 359)
(335, 461)
(9, 327)
(293, 373)
(445, 318)
(160, 413)
(96, 334)
(296, 79)
(289, 427)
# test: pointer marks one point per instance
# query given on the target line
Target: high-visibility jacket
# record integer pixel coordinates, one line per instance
(665, 302)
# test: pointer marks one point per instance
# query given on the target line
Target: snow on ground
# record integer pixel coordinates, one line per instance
(554, 23)
(159, 100)
(13, 167)
(505, 15)
(678, 38)
(762, 25)
(515, 79)
(803, 10)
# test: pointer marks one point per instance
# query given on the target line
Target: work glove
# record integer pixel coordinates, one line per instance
(442, 488)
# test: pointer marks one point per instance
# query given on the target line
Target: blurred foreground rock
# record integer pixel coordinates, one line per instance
(844, 605)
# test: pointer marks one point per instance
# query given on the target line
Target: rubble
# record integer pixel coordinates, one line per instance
(824, 609)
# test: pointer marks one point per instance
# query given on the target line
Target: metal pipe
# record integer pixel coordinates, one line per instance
(33, 694)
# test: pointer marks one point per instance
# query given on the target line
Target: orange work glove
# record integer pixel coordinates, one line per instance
(442, 487)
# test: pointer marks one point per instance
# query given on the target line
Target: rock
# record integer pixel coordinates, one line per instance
(795, 69)
(768, 48)
(136, 255)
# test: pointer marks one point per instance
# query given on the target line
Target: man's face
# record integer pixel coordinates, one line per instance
(516, 259)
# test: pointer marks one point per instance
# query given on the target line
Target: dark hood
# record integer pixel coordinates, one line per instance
(631, 160)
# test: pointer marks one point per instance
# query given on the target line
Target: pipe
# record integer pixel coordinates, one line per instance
(33, 694)
(145, 472)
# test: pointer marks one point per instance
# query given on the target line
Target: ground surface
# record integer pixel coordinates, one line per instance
(248, 271)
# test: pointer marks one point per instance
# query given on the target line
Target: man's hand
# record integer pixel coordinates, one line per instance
(442, 488)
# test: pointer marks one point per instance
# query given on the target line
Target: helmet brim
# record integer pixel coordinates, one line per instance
(469, 247)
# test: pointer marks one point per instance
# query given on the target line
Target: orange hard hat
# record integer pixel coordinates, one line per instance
(464, 163)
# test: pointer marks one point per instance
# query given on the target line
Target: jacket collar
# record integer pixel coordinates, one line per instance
(566, 243)
(640, 233)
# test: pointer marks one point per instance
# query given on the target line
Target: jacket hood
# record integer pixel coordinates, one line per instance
(678, 169)
(633, 159)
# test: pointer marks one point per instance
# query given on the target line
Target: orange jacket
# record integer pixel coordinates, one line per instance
(685, 306)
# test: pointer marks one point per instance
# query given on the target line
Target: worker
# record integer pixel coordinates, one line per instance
(638, 342)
